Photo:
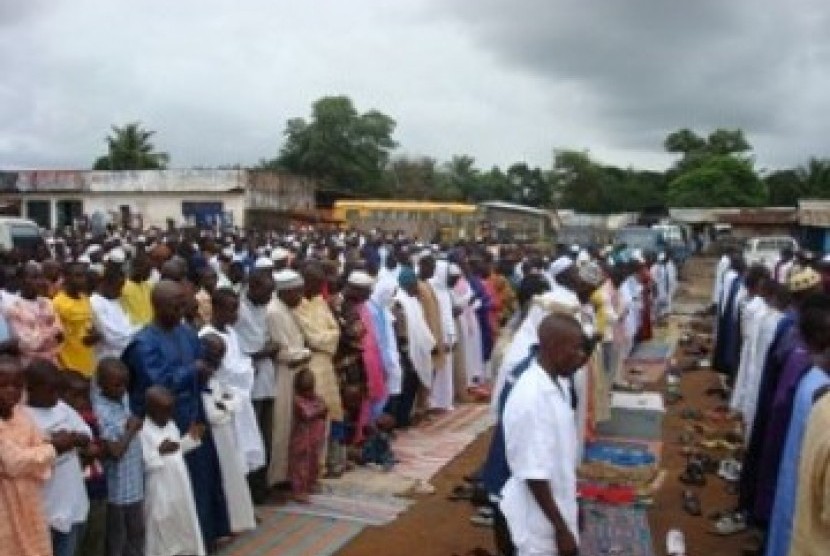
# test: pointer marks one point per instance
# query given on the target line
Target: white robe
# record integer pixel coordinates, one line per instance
(766, 334)
(221, 408)
(540, 444)
(751, 316)
(420, 342)
(114, 325)
(469, 332)
(442, 392)
(237, 373)
(172, 525)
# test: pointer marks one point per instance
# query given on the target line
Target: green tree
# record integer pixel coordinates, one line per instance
(815, 178)
(412, 178)
(462, 178)
(719, 181)
(129, 148)
(785, 188)
(338, 144)
(583, 185)
(529, 186)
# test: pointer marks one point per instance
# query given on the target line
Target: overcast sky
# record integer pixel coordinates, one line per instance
(501, 80)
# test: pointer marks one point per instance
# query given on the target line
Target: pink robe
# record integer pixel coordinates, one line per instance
(307, 438)
(25, 464)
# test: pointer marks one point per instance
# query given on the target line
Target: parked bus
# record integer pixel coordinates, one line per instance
(428, 220)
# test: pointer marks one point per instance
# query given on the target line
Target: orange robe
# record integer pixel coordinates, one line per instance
(25, 463)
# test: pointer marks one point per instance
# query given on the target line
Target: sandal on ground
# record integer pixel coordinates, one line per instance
(675, 543)
(693, 476)
(691, 503)
(461, 492)
(730, 524)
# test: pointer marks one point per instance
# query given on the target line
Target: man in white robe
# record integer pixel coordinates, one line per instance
(539, 500)
(442, 392)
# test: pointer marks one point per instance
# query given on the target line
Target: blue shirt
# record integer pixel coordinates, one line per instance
(125, 476)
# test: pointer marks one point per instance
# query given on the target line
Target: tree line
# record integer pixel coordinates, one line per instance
(354, 154)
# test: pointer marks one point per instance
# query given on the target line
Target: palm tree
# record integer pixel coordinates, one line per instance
(130, 148)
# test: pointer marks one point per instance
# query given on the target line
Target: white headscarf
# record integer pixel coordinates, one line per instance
(421, 342)
(441, 287)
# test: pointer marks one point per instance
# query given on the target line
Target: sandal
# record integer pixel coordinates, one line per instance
(693, 475)
(691, 503)
(675, 543)
(460, 492)
(730, 524)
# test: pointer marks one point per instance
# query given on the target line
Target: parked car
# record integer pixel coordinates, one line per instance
(766, 250)
(640, 237)
(21, 234)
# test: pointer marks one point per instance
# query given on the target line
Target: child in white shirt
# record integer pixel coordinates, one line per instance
(65, 500)
(172, 525)
(222, 404)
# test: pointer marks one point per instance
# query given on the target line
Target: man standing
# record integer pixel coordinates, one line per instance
(251, 328)
(539, 500)
(292, 354)
(168, 353)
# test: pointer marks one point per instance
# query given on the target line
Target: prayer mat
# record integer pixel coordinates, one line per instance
(367, 480)
(652, 350)
(289, 534)
(361, 508)
(615, 530)
(645, 371)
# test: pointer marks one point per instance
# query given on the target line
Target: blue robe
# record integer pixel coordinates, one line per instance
(727, 353)
(159, 357)
(783, 509)
(779, 350)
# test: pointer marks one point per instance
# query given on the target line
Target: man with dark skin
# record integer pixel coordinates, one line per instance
(168, 353)
(541, 444)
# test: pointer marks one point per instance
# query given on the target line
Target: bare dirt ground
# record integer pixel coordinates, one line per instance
(436, 526)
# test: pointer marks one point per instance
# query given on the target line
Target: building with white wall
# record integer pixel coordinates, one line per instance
(144, 198)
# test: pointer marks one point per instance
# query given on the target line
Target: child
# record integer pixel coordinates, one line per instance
(64, 494)
(222, 405)
(169, 508)
(124, 465)
(235, 370)
(377, 448)
(76, 394)
(26, 459)
(307, 437)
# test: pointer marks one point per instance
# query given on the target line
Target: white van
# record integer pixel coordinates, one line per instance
(19, 233)
(766, 250)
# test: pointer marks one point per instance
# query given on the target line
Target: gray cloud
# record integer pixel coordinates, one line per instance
(503, 81)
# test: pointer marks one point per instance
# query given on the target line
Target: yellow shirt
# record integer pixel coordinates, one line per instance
(76, 318)
(135, 299)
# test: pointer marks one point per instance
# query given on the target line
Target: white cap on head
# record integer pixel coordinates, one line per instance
(263, 262)
(288, 279)
(361, 279)
(116, 255)
(560, 265)
(228, 252)
(454, 270)
(279, 254)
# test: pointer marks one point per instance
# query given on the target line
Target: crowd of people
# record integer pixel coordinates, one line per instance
(772, 346)
(154, 388)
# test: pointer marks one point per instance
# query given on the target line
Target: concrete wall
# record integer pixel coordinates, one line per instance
(154, 210)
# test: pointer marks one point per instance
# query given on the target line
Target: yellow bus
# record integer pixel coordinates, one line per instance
(427, 220)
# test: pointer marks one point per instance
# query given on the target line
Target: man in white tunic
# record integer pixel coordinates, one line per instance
(539, 500)
(442, 391)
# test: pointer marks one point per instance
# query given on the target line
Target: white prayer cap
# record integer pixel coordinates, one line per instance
(94, 248)
(238, 257)
(228, 252)
(637, 256)
(575, 248)
(661, 256)
(116, 255)
(826, 258)
(141, 239)
(454, 270)
(560, 265)
(583, 257)
(361, 279)
(279, 254)
(97, 268)
(84, 259)
(263, 262)
(288, 279)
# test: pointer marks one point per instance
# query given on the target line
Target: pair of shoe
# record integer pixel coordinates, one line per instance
(693, 474)
(729, 524)
(691, 503)
(730, 470)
